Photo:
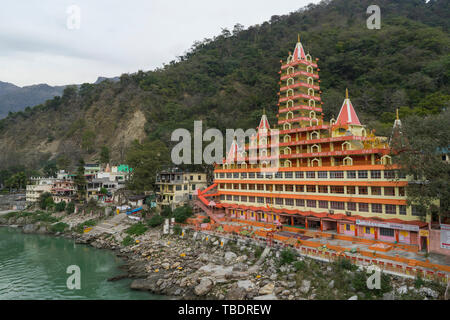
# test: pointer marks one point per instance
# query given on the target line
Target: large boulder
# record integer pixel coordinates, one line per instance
(246, 284)
(143, 284)
(306, 285)
(204, 286)
(230, 257)
(429, 292)
(237, 293)
(267, 289)
(29, 228)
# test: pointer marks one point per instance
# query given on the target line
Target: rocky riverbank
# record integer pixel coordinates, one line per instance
(198, 266)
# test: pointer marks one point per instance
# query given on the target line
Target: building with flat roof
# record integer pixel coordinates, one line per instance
(176, 187)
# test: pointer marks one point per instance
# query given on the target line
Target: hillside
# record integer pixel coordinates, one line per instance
(228, 80)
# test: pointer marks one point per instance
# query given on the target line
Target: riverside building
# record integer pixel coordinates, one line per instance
(332, 176)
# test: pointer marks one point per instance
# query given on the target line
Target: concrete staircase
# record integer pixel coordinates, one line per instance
(217, 217)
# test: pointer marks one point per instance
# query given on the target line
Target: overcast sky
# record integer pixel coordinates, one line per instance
(40, 41)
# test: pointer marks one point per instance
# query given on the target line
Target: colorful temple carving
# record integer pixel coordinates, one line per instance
(330, 176)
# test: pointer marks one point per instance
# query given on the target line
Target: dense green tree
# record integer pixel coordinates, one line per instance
(70, 208)
(420, 151)
(50, 169)
(104, 155)
(46, 200)
(80, 181)
(146, 159)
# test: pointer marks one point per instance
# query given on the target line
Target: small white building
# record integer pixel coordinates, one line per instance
(38, 186)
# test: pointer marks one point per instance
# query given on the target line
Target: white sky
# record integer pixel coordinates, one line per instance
(115, 36)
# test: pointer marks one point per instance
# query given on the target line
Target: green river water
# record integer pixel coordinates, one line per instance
(34, 267)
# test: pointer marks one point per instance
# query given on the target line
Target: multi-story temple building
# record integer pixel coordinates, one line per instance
(332, 176)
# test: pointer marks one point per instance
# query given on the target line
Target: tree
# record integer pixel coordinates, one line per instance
(104, 155)
(70, 208)
(50, 169)
(88, 140)
(146, 159)
(45, 200)
(61, 206)
(420, 154)
(80, 181)
(63, 162)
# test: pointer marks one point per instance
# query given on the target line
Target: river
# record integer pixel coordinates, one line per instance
(33, 267)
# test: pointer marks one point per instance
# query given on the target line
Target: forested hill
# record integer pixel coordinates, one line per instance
(228, 80)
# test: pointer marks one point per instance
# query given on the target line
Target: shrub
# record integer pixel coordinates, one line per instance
(258, 252)
(59, 227)
(70, 208)
(90, 223)
(128, 241)
(345, 264)
(155, 221)
(207, 220)
(182, 213)
(177, 230)
(137, 229)
(45, 200)
(419, 282)
(287, 256)
(166, 211)
(300, 265)
(61, 206)
(44, 217)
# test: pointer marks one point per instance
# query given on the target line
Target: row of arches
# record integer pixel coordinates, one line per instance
(311, 103)
(291, 81)
(290, 92)
(291, 70)
(316, 162)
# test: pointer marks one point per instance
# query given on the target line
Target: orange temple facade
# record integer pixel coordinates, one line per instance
(330, 176)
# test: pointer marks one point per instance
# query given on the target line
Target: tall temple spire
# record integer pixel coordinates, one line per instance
(264, 123)
(299, 52)
(347, 115)
(397, 140)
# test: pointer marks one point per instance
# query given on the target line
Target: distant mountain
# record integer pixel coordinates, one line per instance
(14, 98)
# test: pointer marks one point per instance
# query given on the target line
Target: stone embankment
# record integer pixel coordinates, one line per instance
(197, 266)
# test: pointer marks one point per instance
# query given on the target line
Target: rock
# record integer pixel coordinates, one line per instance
(203, 287)
(388, 296)
(402, 290)
(306, 285)
(273, 276)
(237, 293)
(429, 292)
(291, 284)
(285, 292)
(142, 284)
(353, 298)
(266, 297)
(230, 257)
(165, 265)
(246, 284)
(331, 284)
(242, 259)
(29, 228)
(267, 289)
